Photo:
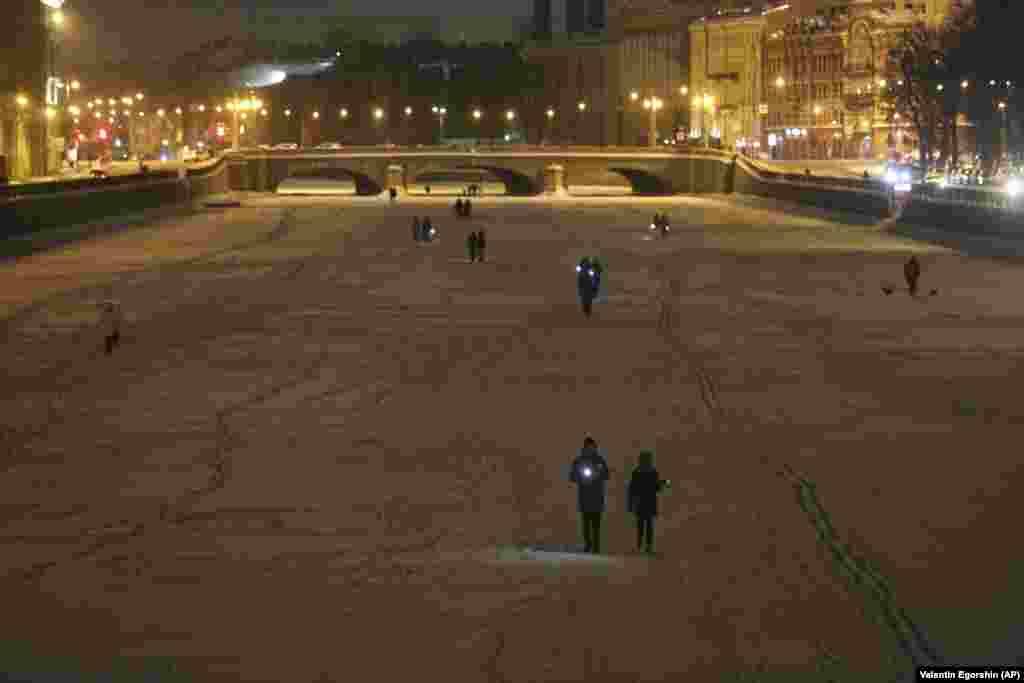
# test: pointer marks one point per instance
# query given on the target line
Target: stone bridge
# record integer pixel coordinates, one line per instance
(524, 171)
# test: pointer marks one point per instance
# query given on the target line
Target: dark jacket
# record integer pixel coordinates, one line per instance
(592, 488)
(644, 487)
(481, 240)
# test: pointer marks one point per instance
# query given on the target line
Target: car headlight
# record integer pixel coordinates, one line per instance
(587, 472)
(653, 226)
(579, 269)
(591, 272)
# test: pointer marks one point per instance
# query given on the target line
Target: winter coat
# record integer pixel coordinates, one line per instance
(644, 487)
(591, 489)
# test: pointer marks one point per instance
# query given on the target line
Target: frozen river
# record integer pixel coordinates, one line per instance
(325, 452)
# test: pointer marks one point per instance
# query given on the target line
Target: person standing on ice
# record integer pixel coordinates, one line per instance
(590, 473)
(642, 497)
(912, 272)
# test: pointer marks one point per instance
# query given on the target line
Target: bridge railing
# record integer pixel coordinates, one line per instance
(497, 149)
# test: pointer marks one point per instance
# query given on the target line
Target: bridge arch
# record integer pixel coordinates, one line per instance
(365, 183)
(643, 182)
(516, 181)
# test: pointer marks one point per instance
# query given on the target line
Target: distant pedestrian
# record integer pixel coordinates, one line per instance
(912, 272)
(590, 473)
(416, 229)
(428, 229)
(427, 188)
(458, 207)
(468, 208)
(394, 193)
(481, 245)
(642, 497)
(110, 324)
(585, 287)
(471, 246)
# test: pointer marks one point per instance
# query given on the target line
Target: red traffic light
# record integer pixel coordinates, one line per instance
(103, 133)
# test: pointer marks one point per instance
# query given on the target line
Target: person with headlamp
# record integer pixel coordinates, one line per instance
(590, 473)
(586, 284)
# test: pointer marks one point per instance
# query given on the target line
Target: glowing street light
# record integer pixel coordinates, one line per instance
(817, 109)
(477, 114)
(287, 112)
(76, 85)
(653, 104)
(634, 96)
(963, 85)
(50, 113)
(378, 113)
(202, 107)
(550, 113)
(316, 115)
(57, 16)
(343, 113)
(510, 115)
(21, 101)
(161, 113)
(683, 90)
(139, 96)
(582, 106)
(780, 82)
(408, 111)
(177, 110)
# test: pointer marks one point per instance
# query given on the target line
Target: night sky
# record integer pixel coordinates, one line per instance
(102, 30)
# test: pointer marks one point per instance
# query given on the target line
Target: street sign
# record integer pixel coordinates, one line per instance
(762, 108)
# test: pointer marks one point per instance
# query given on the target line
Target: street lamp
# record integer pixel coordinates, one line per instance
(653, 104)
(441, 112)
(343, 113)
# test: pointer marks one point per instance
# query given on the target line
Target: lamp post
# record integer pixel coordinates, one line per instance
(652, 104)
(581, 108)
(510, 117)
(441, 113)
(378, 116)
(550, 116)
(477, 115)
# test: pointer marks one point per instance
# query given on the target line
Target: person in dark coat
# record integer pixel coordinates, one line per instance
(481, 245)
(585, 286)
(428, 229)
(912, 272)
(468, 208)
(590, 473)
(458, 206)
(642, 497)
(416, 228)
(471, 246)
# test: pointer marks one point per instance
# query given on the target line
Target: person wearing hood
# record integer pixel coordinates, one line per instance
(642, 496)
(589, 471)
